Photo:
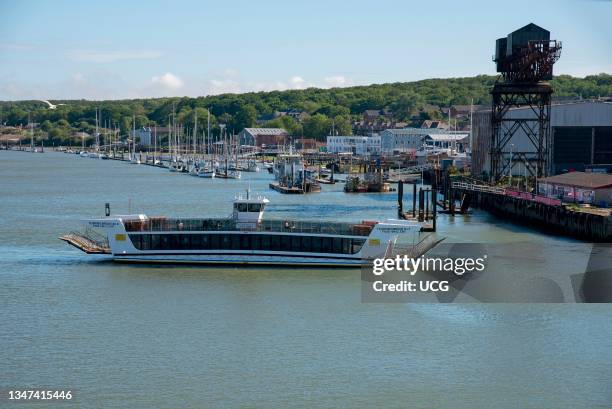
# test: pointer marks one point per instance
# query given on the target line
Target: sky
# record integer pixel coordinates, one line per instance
(130, 49)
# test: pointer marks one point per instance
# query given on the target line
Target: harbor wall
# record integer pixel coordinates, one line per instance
(559, 219)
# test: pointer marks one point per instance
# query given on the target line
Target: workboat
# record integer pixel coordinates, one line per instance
(246, 237)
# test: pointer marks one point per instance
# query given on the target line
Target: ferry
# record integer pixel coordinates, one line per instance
(245, 238)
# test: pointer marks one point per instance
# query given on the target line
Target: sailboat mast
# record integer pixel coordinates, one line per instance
(96, 134)
(31, 132)
(195, 132)
(134, 136)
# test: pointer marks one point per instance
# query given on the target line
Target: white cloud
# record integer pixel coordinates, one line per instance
(223, 86)
(168, 80)
(106, 83)
(112, 56)
(297, 82)
(336, 81)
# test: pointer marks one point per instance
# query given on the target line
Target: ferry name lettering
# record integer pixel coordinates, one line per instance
(103, 224)
(393, 229)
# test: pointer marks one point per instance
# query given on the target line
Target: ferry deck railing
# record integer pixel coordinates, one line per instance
(272, 226)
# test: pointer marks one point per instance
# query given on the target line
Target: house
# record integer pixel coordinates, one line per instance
(297, 115)
(262, 136)
(579, 187)
(461, 111)
(376, 115)
(371, 115)
(150, 135)
(431, 124)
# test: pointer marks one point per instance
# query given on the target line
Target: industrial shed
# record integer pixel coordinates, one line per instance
(581, 137)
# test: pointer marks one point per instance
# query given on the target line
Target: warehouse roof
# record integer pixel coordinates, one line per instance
(447, 137)
(409, 131)
(266, 131)
(581, 179)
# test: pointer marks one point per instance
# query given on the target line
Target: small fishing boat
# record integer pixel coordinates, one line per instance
(207, 173)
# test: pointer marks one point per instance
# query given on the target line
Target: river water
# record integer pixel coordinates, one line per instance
(144, 336)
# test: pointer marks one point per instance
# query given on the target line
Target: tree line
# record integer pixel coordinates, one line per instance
(324, 109)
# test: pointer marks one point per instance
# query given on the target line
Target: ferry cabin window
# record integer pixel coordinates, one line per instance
(285, 243)
(225, 242)
(215, 240)
(185, 241)
(235, 241)
(326, 245)
(275, 243)
(205, 241)
(241, 207)
(196, 241)
(245, 242)
(316, 245)
(264, 242)
(306, 242)
(255, 241)
(155, 242)
(254, 207)
(337, 244)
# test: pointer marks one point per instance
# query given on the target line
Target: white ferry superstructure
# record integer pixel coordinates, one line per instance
(245, 238)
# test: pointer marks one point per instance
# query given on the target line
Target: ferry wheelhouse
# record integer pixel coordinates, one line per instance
(246, 237)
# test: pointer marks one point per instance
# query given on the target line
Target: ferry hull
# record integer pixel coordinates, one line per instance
(262, 260)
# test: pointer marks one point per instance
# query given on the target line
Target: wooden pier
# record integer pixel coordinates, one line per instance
(424, 209)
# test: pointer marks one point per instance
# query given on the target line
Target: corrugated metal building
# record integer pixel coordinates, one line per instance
(262, 136)
(581, 136)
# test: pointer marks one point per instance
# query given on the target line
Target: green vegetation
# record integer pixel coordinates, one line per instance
(337, 107)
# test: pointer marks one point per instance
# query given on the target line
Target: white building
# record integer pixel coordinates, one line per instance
(456, 141)
(357, 145)
(143, 136)
(411, 139)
